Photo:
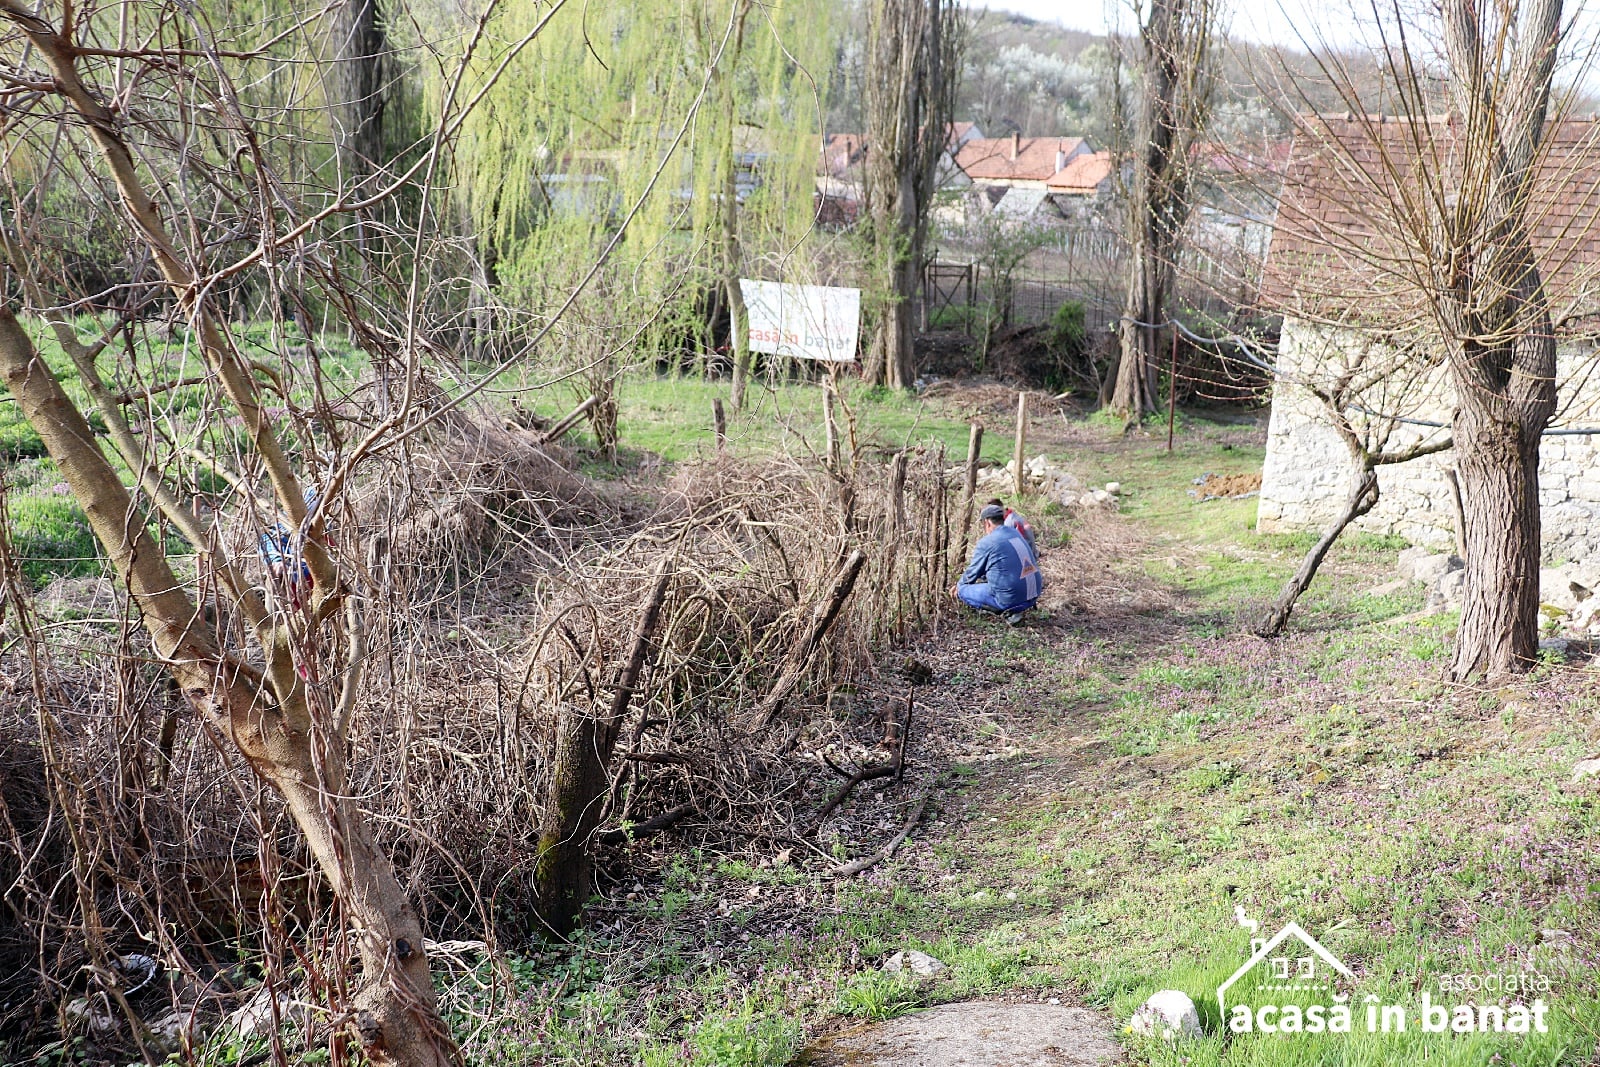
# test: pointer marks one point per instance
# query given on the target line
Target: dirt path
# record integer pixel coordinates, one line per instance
(1000, 712)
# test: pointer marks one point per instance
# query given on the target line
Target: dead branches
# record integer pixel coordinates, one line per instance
(821, 619)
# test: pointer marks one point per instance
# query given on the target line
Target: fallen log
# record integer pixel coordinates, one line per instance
(559, 430)
(650, 827)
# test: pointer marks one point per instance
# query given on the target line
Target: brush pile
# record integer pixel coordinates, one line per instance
(502, 591)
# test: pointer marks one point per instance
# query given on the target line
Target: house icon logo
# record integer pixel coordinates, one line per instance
(1291, 961)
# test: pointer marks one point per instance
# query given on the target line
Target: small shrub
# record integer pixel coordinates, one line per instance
(1069, 333)
(747, 1038)
(877, 996)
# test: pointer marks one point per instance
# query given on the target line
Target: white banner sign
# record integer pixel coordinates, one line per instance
(802, 321)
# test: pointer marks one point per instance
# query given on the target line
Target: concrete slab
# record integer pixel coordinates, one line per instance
(974, 1034)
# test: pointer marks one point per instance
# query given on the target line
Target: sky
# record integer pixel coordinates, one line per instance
(1293, 23)
(1259, 21)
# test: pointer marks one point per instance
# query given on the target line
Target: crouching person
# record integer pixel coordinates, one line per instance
(1002, 577)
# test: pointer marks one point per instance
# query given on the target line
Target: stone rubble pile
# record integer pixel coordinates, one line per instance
(1053, 481)
(1566, 593)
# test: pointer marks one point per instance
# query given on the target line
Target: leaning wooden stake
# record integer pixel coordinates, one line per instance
(578, 779)
(719, 420)
(1363, 498)
(896, 506)
(821, 620)
(559, 430)
(1019, 479)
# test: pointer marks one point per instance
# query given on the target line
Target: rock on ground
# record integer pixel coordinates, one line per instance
(974, 1034)
(1169, 1013)
(1447, 592)
(918, 963)
(1422, 565)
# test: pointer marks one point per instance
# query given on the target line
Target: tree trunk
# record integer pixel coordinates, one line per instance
(896, 329)
(1134, 393)
(1497, 462)
(1177, 77)
(910, 75)
(356, 87)
(738, 315)
(579, 778)
(394, 1010)
(1363, 498)
(1497, 314)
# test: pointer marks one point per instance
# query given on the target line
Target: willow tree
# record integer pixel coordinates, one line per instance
(1175, 75)
(1457, 215)
(660, 151)
(622, 170)
(912, 69)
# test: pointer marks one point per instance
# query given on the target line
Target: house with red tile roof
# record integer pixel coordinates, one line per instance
(1087, 174)
(1017, 160)
(1349, 284)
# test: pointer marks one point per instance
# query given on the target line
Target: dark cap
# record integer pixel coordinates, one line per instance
(993, 511)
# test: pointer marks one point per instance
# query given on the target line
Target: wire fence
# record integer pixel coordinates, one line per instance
(966, 287)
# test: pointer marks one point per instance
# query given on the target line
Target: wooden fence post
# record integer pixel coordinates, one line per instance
(1022, 442)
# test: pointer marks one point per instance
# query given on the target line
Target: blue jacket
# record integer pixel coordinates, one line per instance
(1004, 560)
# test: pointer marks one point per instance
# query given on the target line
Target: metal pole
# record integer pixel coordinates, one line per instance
(1172, 386)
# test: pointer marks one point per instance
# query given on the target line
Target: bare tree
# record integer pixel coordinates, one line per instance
(1460, 200)
(1344, 380)
(912, 69)
(1495, 310)
(1176, 75)
(286, 703)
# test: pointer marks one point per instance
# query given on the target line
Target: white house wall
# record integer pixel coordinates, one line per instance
(1306, 477)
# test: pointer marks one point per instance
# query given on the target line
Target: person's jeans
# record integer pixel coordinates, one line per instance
(981, 596)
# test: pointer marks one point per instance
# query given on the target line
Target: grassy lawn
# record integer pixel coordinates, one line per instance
(672, 417)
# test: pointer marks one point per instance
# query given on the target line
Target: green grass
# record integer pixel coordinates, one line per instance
(48, 530)
(672, 417)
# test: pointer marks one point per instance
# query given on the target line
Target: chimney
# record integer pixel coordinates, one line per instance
(1016, 144)
(1061, 159)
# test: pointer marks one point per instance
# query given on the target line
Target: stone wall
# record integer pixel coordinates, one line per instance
(1307, 474)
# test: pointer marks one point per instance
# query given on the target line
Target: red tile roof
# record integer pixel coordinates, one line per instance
(1082, 176)
(1248, 160)
(1354, 187)
(990, 158)
(840, 152)
(958, 130)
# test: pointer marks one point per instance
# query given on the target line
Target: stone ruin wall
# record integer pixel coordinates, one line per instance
(1306, 477)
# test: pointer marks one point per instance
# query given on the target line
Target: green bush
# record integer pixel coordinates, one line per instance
(1067, 340)
(1068, 336)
